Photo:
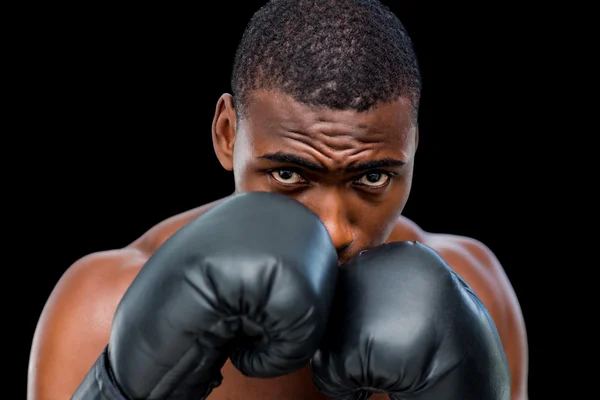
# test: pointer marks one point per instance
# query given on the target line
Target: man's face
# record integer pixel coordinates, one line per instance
(352, 169)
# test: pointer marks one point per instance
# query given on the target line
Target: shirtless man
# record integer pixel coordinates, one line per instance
(323, 110)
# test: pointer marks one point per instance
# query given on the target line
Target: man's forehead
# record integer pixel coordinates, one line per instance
(270, 112)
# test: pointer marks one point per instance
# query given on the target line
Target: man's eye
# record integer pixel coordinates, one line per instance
(286, 176)
(374, 179)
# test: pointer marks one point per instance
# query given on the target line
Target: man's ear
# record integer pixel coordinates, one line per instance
(223, 131)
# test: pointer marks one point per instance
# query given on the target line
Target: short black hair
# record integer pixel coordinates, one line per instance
(342, 54)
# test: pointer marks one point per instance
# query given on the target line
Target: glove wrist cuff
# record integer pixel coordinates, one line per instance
(99, 383)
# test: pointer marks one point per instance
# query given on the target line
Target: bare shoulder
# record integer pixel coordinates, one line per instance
(469, 257)
(75, 323)
(477, 264)
(74, 326)
(158, 234)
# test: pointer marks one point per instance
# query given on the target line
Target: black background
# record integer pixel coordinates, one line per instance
(120, 104)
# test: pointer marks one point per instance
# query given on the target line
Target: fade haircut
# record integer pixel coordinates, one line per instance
(342, 54)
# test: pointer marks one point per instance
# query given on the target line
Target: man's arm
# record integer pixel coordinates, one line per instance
(74, 326)
(477, 265)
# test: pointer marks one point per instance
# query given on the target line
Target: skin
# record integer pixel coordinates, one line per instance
(361, 208)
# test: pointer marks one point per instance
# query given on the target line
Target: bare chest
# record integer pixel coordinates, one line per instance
(295, 386)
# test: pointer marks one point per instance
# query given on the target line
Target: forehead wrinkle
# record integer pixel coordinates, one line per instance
(326, 144)
(340, 139)
(345, 142)
(324, 154)
(361, 132)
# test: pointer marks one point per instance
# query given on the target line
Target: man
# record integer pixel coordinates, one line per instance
(324, 110)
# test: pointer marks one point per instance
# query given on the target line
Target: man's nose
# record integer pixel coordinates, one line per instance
(337, 223)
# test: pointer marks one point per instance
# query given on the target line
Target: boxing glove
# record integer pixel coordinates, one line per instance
(251, 280)
(403, 323)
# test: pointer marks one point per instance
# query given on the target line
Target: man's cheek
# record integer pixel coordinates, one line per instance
(248, 181)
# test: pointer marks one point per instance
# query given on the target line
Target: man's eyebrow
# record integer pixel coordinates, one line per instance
(304, 163)
(294, 159)
(375, 164)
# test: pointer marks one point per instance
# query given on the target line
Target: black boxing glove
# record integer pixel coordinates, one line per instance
(251, 280)
(403, 323)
